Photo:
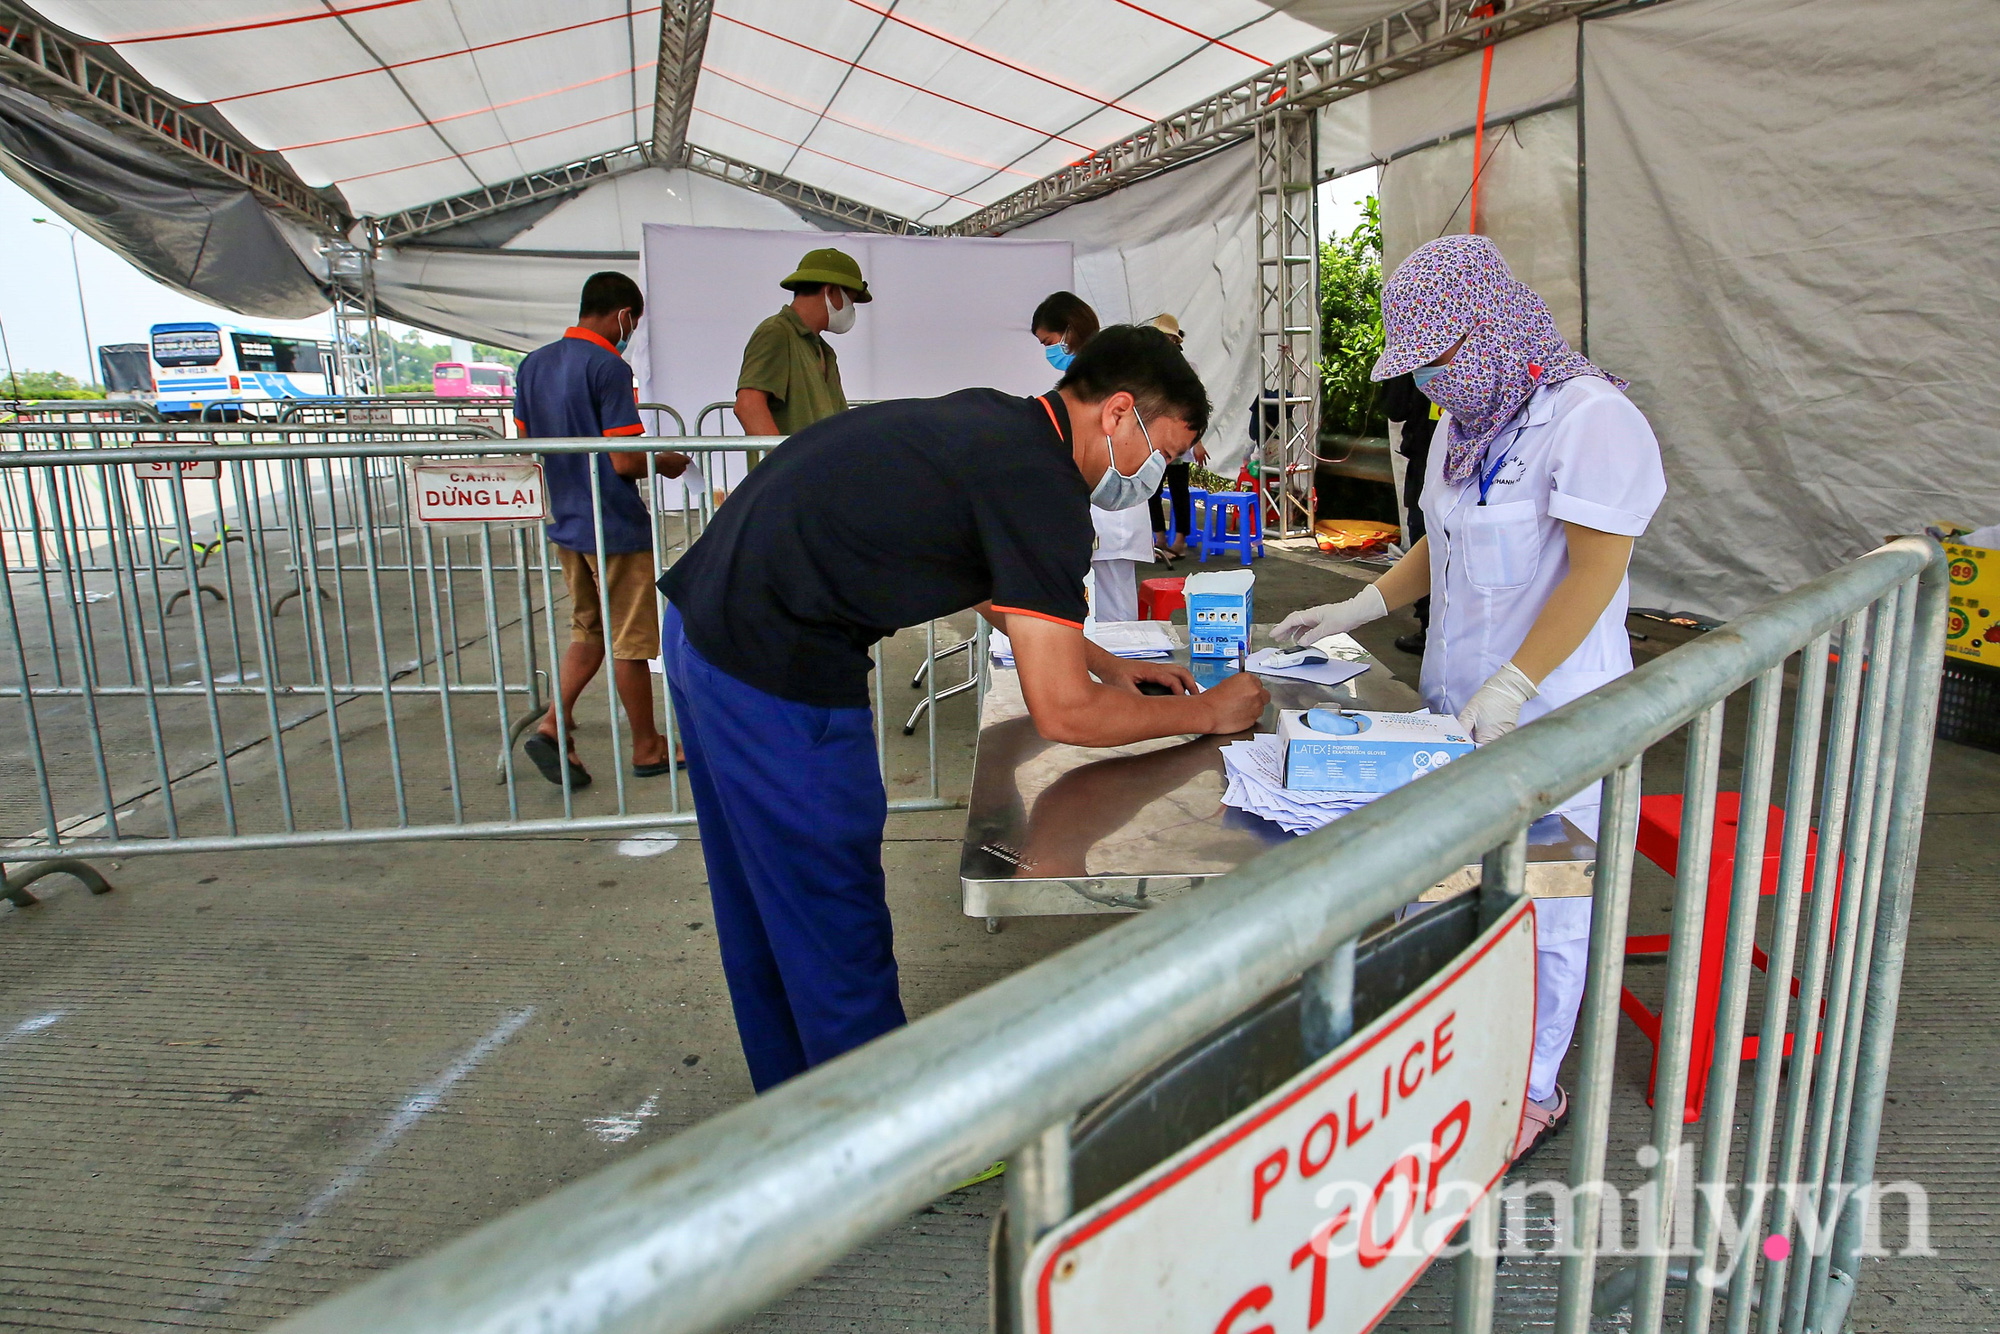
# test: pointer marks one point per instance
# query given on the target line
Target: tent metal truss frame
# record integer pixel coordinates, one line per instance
(683, 38)
(1287, 319)
(850, 212)
(64, 68)
(350, 272)
(1418, 37)
(411, 223)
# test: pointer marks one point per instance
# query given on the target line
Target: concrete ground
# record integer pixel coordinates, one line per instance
(240, 1082)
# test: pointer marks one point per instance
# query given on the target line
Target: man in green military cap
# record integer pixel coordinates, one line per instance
(790, 377)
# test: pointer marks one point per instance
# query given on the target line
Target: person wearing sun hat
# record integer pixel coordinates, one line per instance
(790, 377)
(1541, 476)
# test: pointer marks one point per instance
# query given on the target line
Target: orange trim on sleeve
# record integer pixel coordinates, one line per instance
(636, 428)
(1038, 615)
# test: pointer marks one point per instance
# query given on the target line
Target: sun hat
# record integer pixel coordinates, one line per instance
(830, 266)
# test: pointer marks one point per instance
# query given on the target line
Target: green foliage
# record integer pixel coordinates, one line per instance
(505, 357)
(408, 360)
(34, 385)
(1350, 301)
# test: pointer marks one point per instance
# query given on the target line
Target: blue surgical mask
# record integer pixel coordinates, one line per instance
(624, 341)
(1423, 375)
(1059, 355)
(1116, 491)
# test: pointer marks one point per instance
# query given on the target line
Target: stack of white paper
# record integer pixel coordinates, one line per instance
(1124, 639)
(1257, 785)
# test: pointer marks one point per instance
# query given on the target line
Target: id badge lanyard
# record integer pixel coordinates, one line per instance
(1486, 475)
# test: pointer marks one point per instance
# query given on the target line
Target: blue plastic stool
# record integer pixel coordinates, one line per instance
(1213, 530)
(1195, 496)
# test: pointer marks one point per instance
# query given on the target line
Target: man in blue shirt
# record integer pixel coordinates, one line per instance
(579, 385)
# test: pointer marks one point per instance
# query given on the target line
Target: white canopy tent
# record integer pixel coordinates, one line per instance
(1767, 214)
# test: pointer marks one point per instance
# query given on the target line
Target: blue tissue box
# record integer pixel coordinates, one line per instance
(1389, 750)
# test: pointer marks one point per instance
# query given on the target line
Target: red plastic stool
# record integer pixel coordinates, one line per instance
(1159, 599)
(1659, 842)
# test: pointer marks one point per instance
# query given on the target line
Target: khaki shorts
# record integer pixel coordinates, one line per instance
(635, 620)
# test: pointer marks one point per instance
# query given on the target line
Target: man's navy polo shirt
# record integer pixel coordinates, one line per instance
(579, 385)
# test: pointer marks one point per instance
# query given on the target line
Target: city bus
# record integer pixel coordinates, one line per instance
(195, 365)
(472, 379)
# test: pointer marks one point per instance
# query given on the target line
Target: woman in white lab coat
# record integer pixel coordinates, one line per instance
(1064, 322)
(1541, 475)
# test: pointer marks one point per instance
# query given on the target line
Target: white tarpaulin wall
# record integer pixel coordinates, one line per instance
(1183, 244)
(1527, 204)
(524, 293)
(1793, 225)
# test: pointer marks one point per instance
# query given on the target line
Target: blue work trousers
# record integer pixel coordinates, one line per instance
(791, 807)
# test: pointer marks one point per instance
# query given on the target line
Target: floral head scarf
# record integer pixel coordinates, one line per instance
(1459, 287)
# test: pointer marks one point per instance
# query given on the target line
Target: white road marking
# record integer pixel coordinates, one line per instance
(33, 1024)
(425, 1099)
(621, 1126)
(649, 844)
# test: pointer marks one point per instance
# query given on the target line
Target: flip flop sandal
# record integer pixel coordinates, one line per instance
(547, 757)
(987, 1174)
(655, 770)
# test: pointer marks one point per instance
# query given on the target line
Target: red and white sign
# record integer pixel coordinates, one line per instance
(1316, 1209)
(479, 493)
(192, 470)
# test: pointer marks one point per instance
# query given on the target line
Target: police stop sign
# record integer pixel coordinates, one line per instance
(1315, 1210)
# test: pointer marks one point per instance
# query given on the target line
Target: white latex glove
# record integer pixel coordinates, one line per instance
(1332, 618)
(1495, 708)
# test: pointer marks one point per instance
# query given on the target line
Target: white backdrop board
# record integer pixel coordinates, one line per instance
(948, 313)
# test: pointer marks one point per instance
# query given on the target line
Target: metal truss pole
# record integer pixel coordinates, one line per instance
(351, 276)
(1287, 320)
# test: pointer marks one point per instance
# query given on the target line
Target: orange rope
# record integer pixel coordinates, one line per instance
(1479, 128)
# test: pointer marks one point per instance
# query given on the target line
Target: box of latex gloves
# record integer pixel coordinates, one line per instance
(1218, 612)
(1332, 750)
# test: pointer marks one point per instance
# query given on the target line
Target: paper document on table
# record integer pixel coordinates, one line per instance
(1330, 673)
(1255, 770)
(1123, 639)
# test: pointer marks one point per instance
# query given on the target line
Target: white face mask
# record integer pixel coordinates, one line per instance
(839, 319)
(1116, 491)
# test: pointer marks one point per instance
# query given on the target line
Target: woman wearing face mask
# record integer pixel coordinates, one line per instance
(1064, 322)
(1541, 475)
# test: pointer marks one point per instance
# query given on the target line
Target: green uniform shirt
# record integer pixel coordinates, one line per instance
(796, 368)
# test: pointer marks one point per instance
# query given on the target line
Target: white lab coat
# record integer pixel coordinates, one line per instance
(1579, 451)
(1124, 542)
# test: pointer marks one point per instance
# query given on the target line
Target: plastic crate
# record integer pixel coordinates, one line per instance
(1969, 704)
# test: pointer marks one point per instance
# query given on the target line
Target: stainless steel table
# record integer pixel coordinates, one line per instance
(1055, 830)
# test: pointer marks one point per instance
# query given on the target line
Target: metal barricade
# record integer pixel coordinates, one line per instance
(494, 414)
(711, 1225)
(80, 410)
(342, 671)
(27, 531)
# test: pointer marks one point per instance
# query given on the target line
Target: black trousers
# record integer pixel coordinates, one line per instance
(1177, 479)
(1419, 462)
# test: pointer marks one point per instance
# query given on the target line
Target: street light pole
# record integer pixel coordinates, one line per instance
(89, 347)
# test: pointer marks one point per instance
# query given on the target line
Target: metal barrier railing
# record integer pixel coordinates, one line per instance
(80, 410)
(496, 414)
(709, 1226)
(366, 491)
(240, 723)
